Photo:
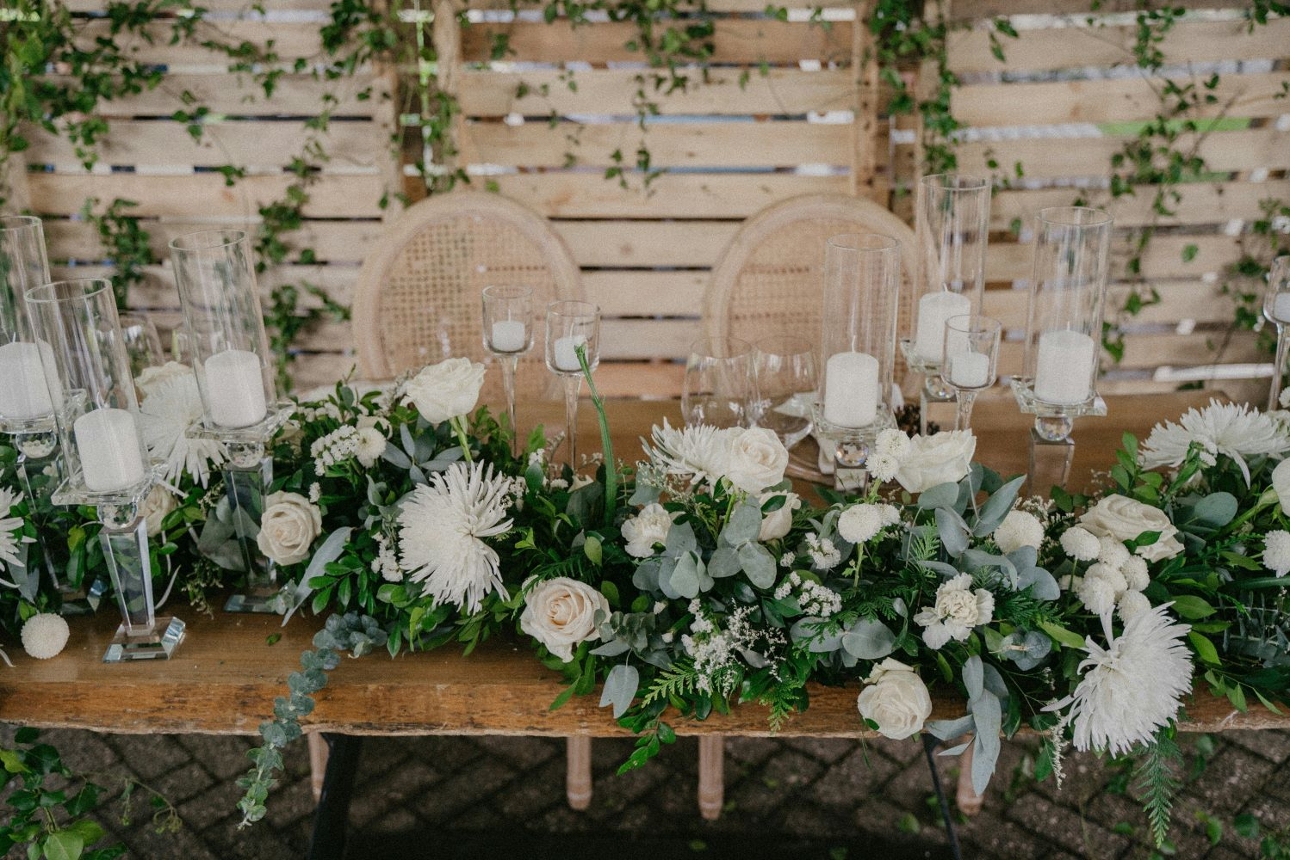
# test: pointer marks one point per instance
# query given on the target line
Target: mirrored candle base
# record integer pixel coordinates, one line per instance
(156, 643)
(851, 447)
(1049, 463)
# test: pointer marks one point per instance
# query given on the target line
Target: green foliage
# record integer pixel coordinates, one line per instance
(125, 242)
(1157, 782)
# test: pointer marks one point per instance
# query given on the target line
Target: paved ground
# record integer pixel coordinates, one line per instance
(484, 797)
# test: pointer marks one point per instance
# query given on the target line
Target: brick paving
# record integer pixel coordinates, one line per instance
(465, 798)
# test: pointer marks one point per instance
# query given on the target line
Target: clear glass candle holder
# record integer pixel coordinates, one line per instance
(508, 334)
(970, 361)
(105, 460)
(572, 327)
(719, 388)
(1276, 310)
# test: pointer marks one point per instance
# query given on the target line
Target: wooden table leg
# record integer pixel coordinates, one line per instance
(578, 775)
(966, 798)
(317, 763)
(712, 778)
(331, 818)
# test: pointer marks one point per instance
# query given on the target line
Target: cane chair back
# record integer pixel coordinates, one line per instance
(418, 296)
(770, 279)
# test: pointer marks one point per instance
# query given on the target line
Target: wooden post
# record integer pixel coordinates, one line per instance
(578, 775)
(14, 193)
(447, 45)
(317, 763)
(864, 65)
(712, 777)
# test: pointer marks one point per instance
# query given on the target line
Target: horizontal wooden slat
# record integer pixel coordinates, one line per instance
(312, 369)
(734, 41)
(638, 339)
(1116, 100)
(334, 196)
(646, 293)
(1202, 203)
(1163, 257)
(348, 145)
(331, 241)
(650, 380)
(237, 95)
(158, 291)
(1052, 158)
(646, 243)
(744, 6)
(291, 40)
(1080, 47)
(1197, 301)
(967, 10)
(673, 195)
(728, 144)
(780, 91)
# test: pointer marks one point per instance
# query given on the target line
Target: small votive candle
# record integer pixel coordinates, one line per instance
(566, 356)
(969, 370)
(933, 310)
(851, 389)
(235, 388)
(24, 393)
(508, 336)
(108, 444)
(1064, 368)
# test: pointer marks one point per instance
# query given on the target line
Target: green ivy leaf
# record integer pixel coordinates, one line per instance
(64, 845)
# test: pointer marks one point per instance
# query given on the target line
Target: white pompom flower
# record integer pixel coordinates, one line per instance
(1018, 529)
(45, 635)
(1276, 552)
(1080, 544)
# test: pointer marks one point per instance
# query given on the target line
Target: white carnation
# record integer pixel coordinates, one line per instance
(957, 610)
(647, 528)
(370, 446)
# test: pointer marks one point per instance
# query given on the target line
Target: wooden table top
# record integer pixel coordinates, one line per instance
(224, 677)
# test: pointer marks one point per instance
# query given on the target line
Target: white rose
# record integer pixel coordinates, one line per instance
(756, 459)
(776, 524)
(560, 613)
(152, 378)
(1125, 519)
(446, 390)
(940, 459)
(647, 528)
(1018, 529)
(896, 699)
(159, 502)
(288, 527)
(1281, 482)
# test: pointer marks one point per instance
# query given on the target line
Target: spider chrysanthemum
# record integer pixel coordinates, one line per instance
(442, 528)
(1233, 430)
(169, 409)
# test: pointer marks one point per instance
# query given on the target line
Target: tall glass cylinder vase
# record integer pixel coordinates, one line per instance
(26, 405)
(106, 464)
(952, 227)
(1063, 334)
(235, 376)
(858, 345)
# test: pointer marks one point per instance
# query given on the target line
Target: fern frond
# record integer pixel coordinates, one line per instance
(679, 680)
(1157, 782)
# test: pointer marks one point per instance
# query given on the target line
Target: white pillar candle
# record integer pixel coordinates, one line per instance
(508, 336)
(933, 310)
(1281, 307)
(23, 392)
(851, 389)
(566, 356)
(235, 388)
(969, 370)
(108, 444)
(1064, 368)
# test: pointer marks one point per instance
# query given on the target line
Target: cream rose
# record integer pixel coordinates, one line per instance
(645, 529)
(446, 390)
(561, 613)
(932, 460)
(776, 524)
(1281, 482)
(896, 699)
(288, 527)
(159, 502)
(1125, 519)
(755, 460)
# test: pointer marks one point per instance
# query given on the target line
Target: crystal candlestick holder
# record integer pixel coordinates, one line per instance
(508, 334)
(105, 461)
(1064, 328)
(571, 325)
(235, 377)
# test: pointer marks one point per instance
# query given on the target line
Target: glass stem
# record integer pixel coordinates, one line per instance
(1283, 345)
(245, 488)
(572, 385)
(126, 551)
(963, 420)
(509, 364)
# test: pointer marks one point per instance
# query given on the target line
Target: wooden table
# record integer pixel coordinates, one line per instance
(226, 674)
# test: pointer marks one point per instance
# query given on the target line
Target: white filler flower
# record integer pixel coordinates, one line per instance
(1132, 687)
(441, 531)
(958, 609)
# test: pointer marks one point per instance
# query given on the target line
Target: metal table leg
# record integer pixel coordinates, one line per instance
(929, 749)
(332, 815)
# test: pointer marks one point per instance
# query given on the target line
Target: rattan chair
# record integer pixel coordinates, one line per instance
(770, 279)
(418, 302)
(769, 282)
(418, 295)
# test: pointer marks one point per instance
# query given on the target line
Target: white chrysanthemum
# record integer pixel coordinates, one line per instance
(1135, 573)
(1018, 529)
(892, 443)
(859, 523)
(1112, 552)
(165, 415)
(441, 531)
(1112, 575)
(1132, 603)
(9, 527)
(1133, 686)
(957, 610)
(371, 445)
(697, 451)
(44, 635)
(1097, 593)
(1080, 544)
(883, 467)
(1233, 430)
(1276, 552)
(1283, 399)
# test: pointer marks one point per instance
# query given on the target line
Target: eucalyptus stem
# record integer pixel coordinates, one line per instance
(606, 444)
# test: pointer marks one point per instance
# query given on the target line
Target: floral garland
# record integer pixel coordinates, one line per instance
(703, 581)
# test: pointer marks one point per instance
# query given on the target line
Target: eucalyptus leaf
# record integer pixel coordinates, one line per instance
(646, 577)
(941, 567)
(685, 576)
(947, 729)
(997, 507)
(665, 568)
(758, 564)
(817, 633)
(1215, 510)
(396, 457)
(644, 494)
(955, 750)
(680, 540)
(940, 496)
(988, 714)
(952, 531)
(869, 640)
(724, 562)
(994, 681)
(1041, 583)
(744, 525)
(620, 688)
(973, 676)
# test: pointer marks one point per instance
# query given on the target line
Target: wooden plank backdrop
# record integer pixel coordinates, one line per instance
(789, 107)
